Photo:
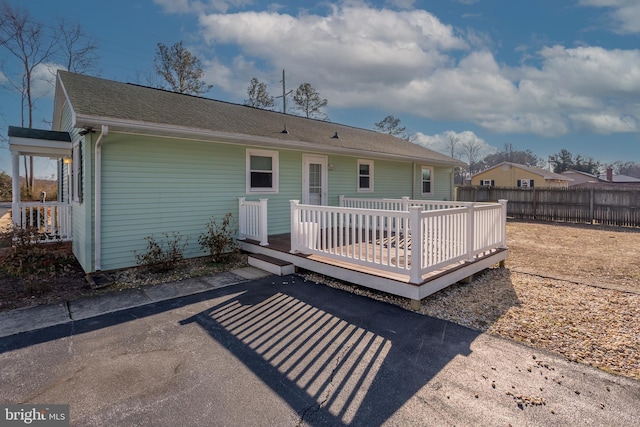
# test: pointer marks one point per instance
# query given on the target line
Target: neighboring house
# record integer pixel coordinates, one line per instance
(144, 161)
(581, 179)
(606, 180)
(612, 178)
(507, 174)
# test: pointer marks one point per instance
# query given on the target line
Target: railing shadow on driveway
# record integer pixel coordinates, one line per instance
(335, 357)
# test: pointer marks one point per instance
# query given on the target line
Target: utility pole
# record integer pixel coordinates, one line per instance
(284, 94)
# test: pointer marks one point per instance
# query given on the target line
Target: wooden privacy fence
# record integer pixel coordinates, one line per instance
(616, 207)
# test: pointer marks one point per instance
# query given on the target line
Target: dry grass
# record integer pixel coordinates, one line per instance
(593, 255)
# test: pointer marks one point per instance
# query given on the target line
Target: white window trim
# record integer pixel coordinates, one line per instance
(527, 185)
(431, 181)
(75, 171)
(486, 182)
(275, 163)
(370, 164)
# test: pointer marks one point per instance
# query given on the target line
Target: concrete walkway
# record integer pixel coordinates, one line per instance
(42, 316)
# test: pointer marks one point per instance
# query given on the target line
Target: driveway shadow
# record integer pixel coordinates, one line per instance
(335, 357)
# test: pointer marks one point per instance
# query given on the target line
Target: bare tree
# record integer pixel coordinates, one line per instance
(28, 43)
(308, 101)
(77, 50)
(258, 95)
(180, 69)
(453, 141)
(471, 152)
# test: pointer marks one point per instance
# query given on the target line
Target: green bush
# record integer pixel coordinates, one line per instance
(163, 255)
(220, 240)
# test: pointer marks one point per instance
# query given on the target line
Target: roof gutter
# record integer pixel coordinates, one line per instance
(97, 240)
(163, 130)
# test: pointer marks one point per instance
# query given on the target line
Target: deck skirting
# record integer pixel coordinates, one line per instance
(395, 284)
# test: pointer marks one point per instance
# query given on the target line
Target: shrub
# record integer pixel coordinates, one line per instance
(32, 259)
(219, 239)
(163, 255)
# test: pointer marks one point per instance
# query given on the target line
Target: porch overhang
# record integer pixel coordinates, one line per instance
(39, 143)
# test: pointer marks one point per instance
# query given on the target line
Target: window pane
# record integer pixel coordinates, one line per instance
(426, 174)
(261, 163)
(261, 180)
(426, 187)
(364, 182)
(364, 169)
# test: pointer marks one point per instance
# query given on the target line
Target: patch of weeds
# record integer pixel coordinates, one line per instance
(162, 255)
(220, 240)
(32, 259)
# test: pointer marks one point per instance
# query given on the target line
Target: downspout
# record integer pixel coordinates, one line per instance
(413, 182)
(97, 239)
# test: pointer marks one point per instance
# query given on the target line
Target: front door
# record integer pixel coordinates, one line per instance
(314, 179)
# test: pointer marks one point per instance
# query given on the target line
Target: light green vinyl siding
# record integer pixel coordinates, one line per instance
(391, 179)
(81, 213)
(152, 186)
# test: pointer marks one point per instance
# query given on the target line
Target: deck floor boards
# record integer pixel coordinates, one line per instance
(282, 243)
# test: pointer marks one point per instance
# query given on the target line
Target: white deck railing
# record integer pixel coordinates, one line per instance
(435, 234)
(252, 222)
(51, 219)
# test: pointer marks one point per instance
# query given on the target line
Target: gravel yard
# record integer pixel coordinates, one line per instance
(571, 290)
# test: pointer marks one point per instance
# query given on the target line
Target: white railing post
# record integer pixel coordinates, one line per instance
(405, 203)
(242, 219)
(415, 225)
(295, 227)
(341, 203)
(471, 232)
(264, 234)
(503, 223)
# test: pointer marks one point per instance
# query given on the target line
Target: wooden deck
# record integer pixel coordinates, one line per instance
(393, 283)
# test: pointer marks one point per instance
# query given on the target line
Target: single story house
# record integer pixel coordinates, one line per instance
(508, 174)
(606, 180)
(141, 162)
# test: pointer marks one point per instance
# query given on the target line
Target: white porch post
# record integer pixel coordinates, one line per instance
(341, 203)
(503, 221)
(295, 226)
(417, 237)
(264, 235)
(242, 219)
(15, 188)
(471, 232)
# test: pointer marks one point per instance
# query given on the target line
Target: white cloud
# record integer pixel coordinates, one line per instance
(441, 143)
(605, 123)
(410, 62)
(624, 14)
(44, 80)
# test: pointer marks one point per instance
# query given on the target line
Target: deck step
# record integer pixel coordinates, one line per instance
(272, 265)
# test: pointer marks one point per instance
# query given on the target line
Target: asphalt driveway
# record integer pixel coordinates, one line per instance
(279, 351)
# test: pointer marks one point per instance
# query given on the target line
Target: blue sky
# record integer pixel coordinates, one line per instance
(541, 75)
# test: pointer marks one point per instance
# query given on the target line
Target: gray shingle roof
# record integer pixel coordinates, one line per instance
(93, 99)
